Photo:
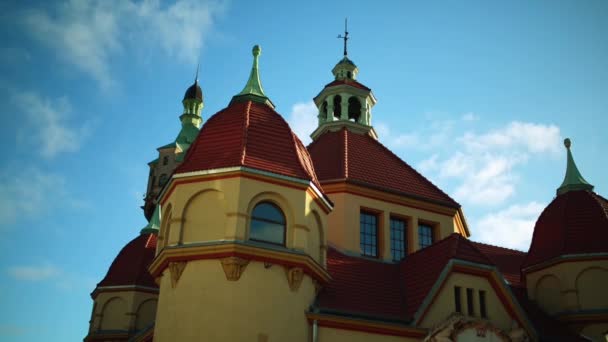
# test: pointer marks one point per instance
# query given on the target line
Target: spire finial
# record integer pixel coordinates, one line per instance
(253, 89)
(573, 179)
(197, 67)
(345, 36)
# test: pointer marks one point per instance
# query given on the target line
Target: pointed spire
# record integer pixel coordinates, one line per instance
(573, 179)
(154, 225)
(196, 77)
(253, 89)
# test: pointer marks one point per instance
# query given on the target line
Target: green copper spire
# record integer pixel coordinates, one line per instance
(573, 179)
(253, 90)
(154, 225)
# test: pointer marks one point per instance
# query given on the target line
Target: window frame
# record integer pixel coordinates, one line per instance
(470, 302)
(406, 229)
(432, 227)
(483, 312)
(378, 245)
(252, 218)
(458, 299)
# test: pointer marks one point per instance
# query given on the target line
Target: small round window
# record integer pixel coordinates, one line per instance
(267, 224)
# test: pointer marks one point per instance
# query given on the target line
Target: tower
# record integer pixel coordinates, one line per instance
(242, 228)
(566, 269)
(172, 154)
(344, 102)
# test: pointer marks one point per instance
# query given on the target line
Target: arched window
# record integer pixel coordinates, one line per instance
(267, 224)
(337, 106)
(324, 110)
(165, 160)
(354, 109)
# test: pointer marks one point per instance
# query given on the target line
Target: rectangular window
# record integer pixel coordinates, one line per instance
(457, 302)
(425, 235)
(398, 238)
(482, 304)
(470, 307)
(369, 234)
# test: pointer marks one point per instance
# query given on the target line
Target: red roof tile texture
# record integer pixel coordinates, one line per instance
(130, 267)
(575, 222)
(362, 286)
(253, 135)
(344, 155)
(508, 261)
(371, 288)
(421, 270)
(351, 83)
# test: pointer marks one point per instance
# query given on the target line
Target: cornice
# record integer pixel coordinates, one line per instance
(242, 250)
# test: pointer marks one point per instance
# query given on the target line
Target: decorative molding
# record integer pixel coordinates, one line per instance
(176, 268)
(234, 267)
(224, 249)
(301, 226)
(364, 325)
(295, 275)
(176, 220)
(237, 214)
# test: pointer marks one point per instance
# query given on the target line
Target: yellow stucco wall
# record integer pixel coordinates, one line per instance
(122, 310)
(570, 286)
(206, 306)
(338, 335)
(444, 304)
(220, 210)
(344, 222)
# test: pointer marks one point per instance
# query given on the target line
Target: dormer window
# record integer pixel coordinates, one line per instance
(267, 224)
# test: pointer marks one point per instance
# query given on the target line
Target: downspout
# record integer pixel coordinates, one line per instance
(315, 331)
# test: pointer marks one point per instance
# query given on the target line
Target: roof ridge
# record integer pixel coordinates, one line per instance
(415, 171)
(472, 245)
(418, 252)
(245, 133)
(501, 247)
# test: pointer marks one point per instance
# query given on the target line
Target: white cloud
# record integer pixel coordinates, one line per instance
(49, 121)
(33, 273)
(469, 117)
(303, 120)
(484, 166)
(31, 193)
(52, 274)
(87, 34)
(511, 227)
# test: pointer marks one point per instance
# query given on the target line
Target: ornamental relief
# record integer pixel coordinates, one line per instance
(458, 327)
(295, 275)
(176, 269)
(234, 267)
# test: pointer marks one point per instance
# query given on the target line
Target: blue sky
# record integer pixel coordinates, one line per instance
(477, 95)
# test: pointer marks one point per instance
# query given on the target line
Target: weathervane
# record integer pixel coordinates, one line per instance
(345, 36)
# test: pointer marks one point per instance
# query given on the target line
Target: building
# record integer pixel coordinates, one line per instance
(254, 237)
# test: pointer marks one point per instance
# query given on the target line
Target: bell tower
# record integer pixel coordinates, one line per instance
(344, 102)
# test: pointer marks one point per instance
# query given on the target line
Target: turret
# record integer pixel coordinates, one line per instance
(242, 231)
(172, 154)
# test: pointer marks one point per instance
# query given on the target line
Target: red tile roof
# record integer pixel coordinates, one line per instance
(151, 242)
(362, 286)
(392, 291)
(249, 134)
(351, 83)
(421, 270)
(575, 222)
(358, 158)
(508, 261)
(130, 267)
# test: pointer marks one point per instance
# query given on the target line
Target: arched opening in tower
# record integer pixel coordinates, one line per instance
(324, 110)
(337, 106)
(354, 109)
